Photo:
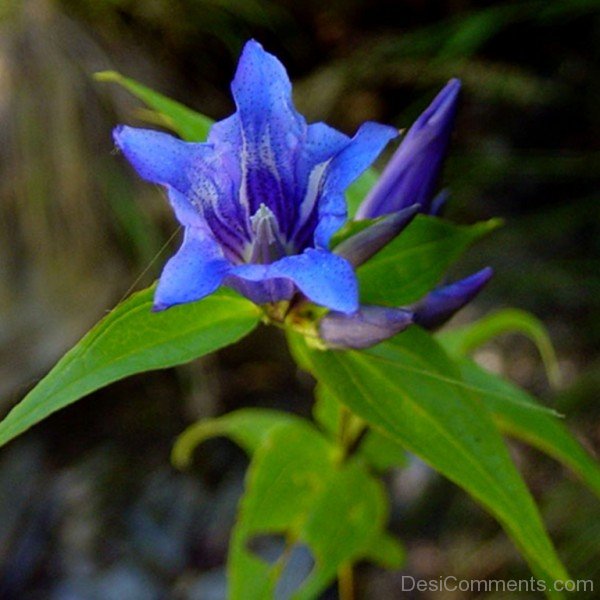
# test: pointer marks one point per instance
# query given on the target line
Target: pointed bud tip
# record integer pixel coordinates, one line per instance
(120, 135)
(405, 215)
(159, 307)
(440, 112)
(455, 84)
(359, 248)
(414, 169)
(481, 277)
(440, 305)
(439, 202)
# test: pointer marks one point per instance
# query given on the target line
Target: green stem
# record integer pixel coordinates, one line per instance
(346, 582)
(282, 561)
(350, 432)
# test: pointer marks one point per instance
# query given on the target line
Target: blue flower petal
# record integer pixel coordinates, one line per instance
(321, 144)
(187, 214)
(196, 271)
(344, 168)
(270, 131)
(263, 291)
(159, 157)
(324, 278)
(202, 181)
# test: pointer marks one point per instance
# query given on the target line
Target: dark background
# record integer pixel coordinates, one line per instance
(89, 505)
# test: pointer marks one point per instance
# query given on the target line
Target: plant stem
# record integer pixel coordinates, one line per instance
(280, 564)
(346, 582)
(350, 431)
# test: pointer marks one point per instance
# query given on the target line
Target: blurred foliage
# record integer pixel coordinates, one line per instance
(77, 230)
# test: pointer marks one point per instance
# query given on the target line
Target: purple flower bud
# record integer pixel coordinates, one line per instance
(438, 203)
(359, 248)
(441, 304)
(365, 328)
(412, 174)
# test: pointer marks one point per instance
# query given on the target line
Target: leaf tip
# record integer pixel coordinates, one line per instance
(106, 76)
(181, 456)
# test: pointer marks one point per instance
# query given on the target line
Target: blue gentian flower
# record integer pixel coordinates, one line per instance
(412, 174)
(260, 200)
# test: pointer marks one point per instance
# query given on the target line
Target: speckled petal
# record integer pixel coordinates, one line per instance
(324, 278)
(159, 157)
(270, 131)
(344, 168)
(196, 271)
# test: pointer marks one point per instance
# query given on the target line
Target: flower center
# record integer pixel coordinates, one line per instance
(267, 244)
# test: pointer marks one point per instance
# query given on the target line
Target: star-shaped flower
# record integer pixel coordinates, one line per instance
(260, 200)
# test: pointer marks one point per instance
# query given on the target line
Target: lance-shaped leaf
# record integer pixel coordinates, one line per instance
(415, 262)
(132, 339)
(189, 124)
(520, 416)
(411, 390)
(463, 340)
(516, 412)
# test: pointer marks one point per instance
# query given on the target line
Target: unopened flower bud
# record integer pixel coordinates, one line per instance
(365, 328)
(413, 171)
(441, 304)
(359, 248)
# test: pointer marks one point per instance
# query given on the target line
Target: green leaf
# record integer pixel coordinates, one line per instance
(132, 339)
(357, 192)
(414, 262)
(410, 389)
(359, 504)
(379, 450)
(519, 415)
(327, 410)
(387, 552)
(294, 482)
(247, 427)
(294, 485)
(382, 452)
(350, 229)
(463, 340)
(189, 124)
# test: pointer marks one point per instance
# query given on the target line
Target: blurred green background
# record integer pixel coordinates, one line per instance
(89, 506)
